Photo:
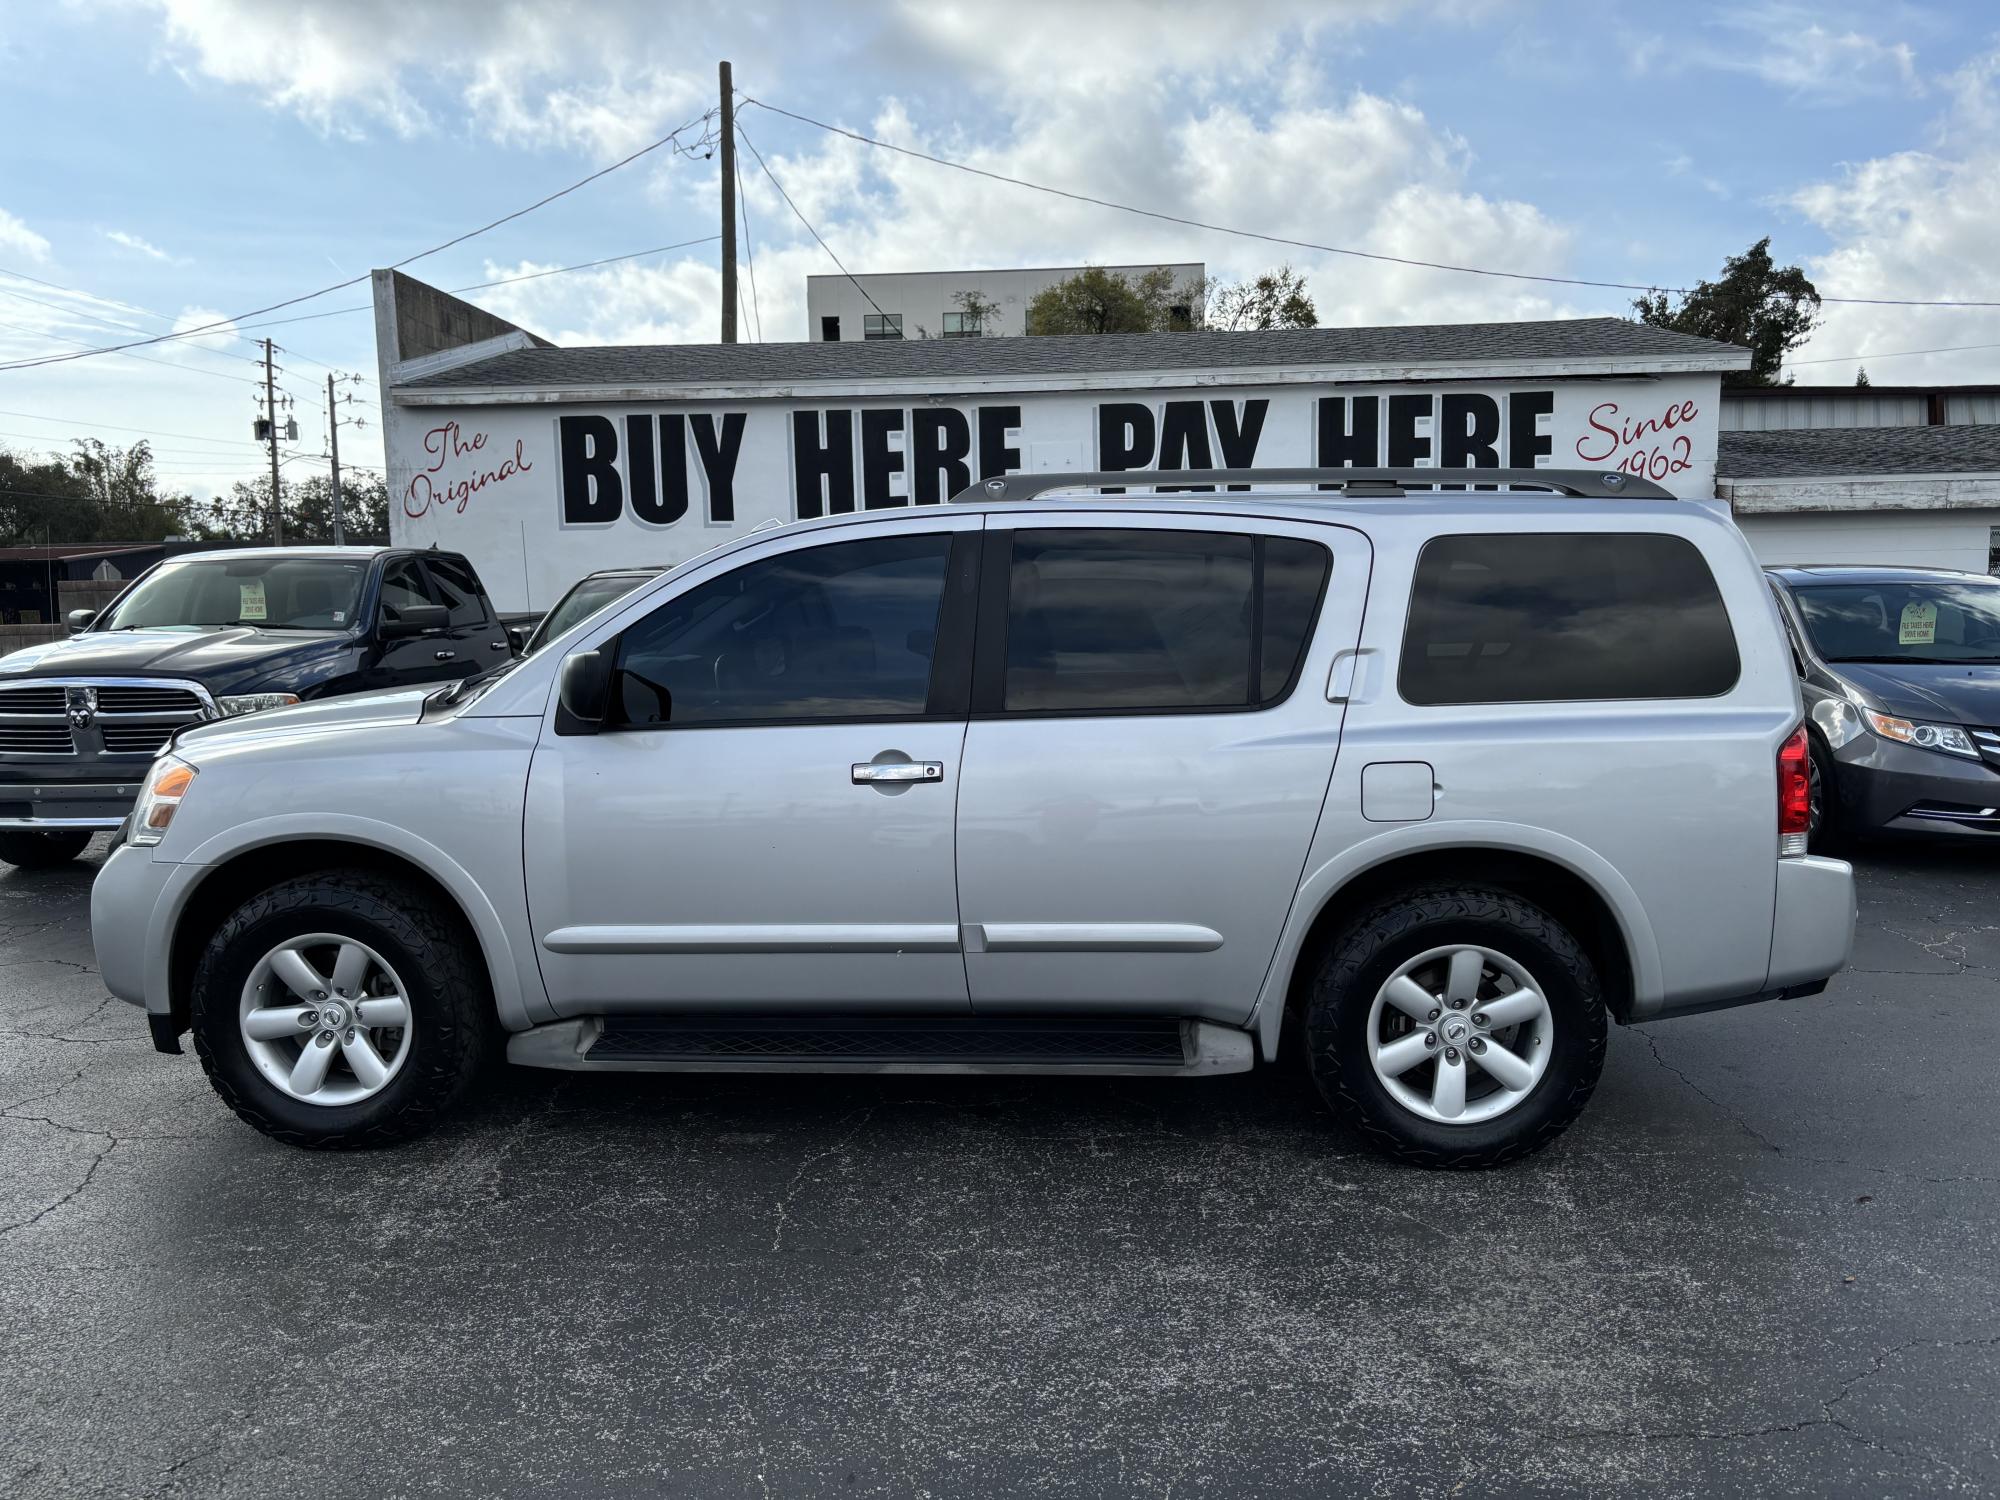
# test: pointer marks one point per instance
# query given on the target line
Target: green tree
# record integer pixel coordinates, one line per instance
(245, 513)
(1099, 301)
(97, 494)
(1861, 376)
(1769, 309)
(1276, 299)
(976, 314)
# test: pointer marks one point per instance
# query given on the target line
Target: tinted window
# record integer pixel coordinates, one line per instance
(843, 631)
(1165, 620)
(455, 579)
(1555, 616)
(404, 584)
(583, 601)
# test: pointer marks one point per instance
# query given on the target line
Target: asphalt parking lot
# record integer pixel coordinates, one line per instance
(1767, 1261)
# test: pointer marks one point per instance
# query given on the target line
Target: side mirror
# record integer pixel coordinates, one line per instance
(415, 619)
(584, 691)
(517, 639)
(79, 619)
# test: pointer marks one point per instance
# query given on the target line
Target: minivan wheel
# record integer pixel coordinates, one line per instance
(1456, 1027)
(341, 1009)
(1824, 830)
(43, 851)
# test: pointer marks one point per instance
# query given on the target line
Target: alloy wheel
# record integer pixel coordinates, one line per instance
(1460, 1034)
(325, 1019)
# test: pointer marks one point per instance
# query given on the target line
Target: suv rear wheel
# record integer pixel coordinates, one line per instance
(341, 1009)
(43, 851)
(1456, 1027)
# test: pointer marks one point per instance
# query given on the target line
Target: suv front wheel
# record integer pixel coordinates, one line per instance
(341, 1009)
(1456, 1027)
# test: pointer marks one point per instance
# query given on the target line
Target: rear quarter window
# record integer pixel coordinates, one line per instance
(1550, 617)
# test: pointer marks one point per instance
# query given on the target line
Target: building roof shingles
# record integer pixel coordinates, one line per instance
(1810, 452)
(920, 360)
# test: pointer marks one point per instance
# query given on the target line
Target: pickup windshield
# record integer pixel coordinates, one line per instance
(1931, 620)
(271, 593)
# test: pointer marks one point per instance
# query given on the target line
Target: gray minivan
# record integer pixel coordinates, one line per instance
(1038, 781)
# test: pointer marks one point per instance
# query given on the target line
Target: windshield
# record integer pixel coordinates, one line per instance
(1928, 620)
(274, 593)
(586, 599)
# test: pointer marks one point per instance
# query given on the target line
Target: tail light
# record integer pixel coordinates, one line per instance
(1794, 793)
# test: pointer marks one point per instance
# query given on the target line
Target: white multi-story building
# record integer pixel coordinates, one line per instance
(932, 304)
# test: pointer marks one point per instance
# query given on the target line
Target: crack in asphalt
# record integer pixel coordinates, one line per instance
(1827, 1418)
(798, 1177)
(1653, 1046)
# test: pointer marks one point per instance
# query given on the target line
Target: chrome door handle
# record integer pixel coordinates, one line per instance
(445, 655)
(498, 645)
(901, 770)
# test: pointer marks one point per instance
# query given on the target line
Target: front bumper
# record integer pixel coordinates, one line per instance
(1882, 786)
(44, 806)
(124, 901)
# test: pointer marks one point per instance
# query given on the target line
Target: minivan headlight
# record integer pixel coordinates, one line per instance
(160, 798)
(253, 703)
(1946, 737)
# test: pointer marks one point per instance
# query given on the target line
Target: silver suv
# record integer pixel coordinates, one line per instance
(1026, 784)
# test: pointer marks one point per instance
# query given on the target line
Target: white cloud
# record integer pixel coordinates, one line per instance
(221, 337)
(135, 243)
(17, 238)
(1915, 224)
(1789, 46)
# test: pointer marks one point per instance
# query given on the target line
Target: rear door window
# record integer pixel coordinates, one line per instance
(1162, 621)
(1565, 617)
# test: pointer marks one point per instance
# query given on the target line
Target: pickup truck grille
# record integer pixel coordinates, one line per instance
(87, 718)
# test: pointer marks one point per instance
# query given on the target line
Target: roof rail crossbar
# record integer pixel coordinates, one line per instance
(1584, 484)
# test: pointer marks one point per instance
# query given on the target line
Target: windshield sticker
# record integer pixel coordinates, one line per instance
(251, 595)
(340, 617)
(1919, 625)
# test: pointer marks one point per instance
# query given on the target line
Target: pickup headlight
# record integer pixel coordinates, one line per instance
(160, 798)
(1946, 737)
(252, 703)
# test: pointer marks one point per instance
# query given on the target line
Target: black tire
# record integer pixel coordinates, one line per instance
(1365, 954)
(1828, 831)
(43, 851)
(452, 1024)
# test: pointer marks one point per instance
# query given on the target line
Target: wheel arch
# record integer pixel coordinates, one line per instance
(1567, 880)
(255, 861)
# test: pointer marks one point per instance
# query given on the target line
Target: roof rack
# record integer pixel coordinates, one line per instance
(1354, 484)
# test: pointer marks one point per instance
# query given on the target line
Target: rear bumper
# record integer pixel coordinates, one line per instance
(1812, 936)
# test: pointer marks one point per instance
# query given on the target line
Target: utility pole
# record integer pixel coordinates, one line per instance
(271, 418)
(728, 208)
(333, 451)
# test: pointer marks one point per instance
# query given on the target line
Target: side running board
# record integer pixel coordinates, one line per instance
(884, 1044)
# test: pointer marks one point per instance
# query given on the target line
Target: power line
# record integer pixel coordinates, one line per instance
(148, 312)
(1841, 359)
(1275, 239)
(749, 255)
(165, 364)
(36, 416)
(480, 286)
(231, 322)
(795, 209)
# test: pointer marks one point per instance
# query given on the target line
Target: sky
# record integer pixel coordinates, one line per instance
(176, 163)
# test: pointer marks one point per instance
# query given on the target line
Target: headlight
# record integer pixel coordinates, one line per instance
(160, 798)
(252, 703)
(1947, 737)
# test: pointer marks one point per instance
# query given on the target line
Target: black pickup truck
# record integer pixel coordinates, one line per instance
(210, 634)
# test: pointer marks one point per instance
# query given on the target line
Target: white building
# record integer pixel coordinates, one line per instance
(543, 464)
(1888, 474)
(932, 304)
